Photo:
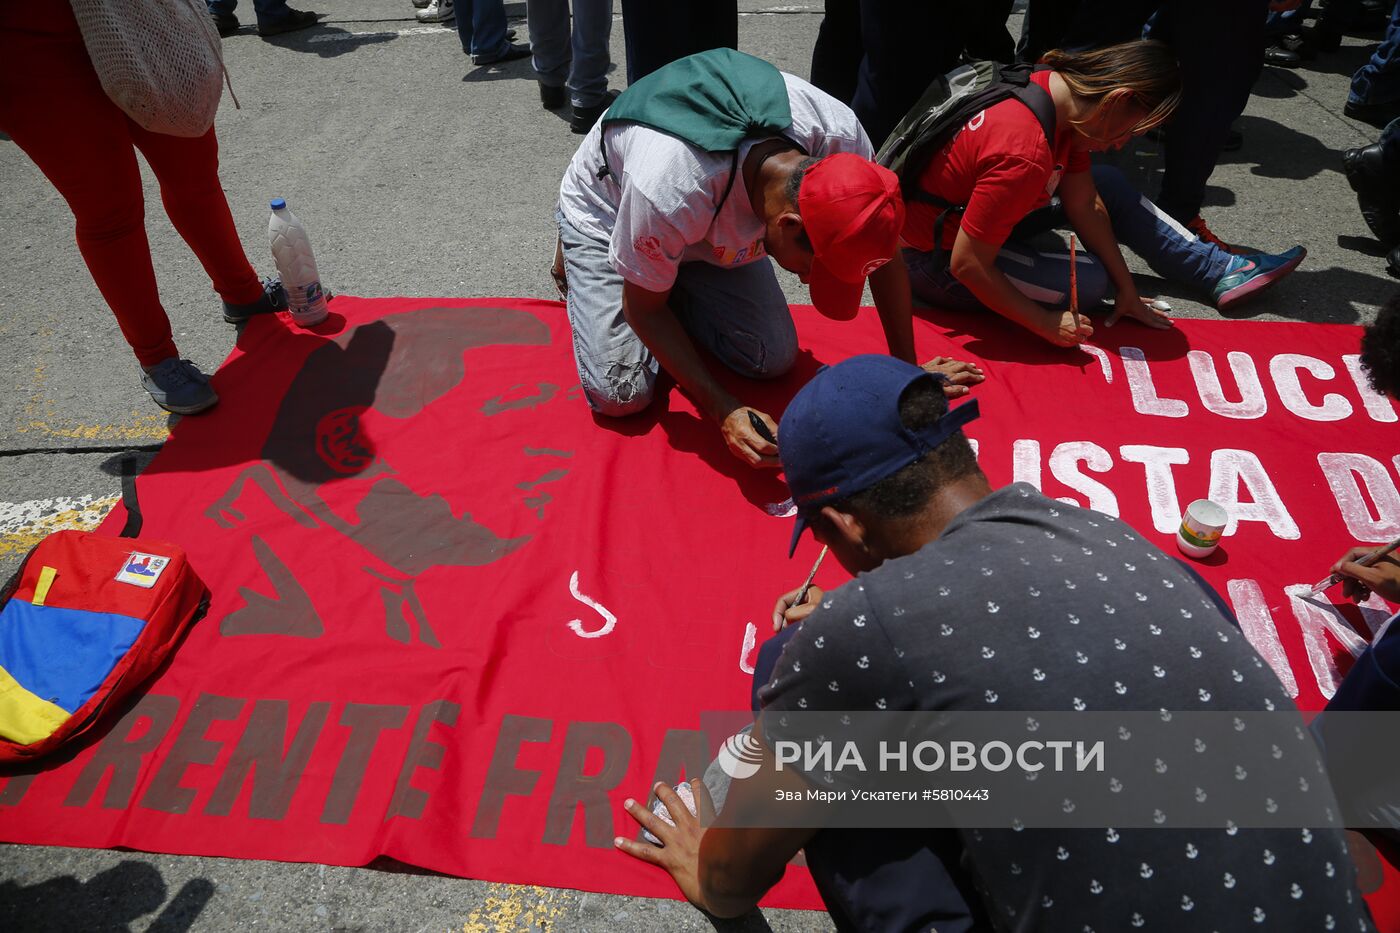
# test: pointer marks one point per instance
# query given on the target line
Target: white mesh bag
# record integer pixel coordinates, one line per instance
(158, 60)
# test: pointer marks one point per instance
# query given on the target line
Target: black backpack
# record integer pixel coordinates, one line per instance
(950, 101)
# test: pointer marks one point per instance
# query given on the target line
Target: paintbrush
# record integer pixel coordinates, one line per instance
(1073, 279)
(1365, 561)
(806, 585)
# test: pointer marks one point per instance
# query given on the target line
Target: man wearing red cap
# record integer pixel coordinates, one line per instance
(696, 174)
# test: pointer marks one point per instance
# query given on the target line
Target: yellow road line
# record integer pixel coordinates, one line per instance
(512, 908)
(25, 524)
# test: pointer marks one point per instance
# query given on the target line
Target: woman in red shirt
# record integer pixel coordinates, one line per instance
(1000, 166)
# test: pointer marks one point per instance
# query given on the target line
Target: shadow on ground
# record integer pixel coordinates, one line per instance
(110, 902)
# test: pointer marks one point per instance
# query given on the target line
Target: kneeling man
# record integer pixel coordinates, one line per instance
(672, 206)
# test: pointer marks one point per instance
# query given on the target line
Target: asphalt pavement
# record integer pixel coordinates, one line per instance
(417, 174)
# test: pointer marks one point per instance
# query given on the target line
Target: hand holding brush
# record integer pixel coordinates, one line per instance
(1366, 570)
(797, 605)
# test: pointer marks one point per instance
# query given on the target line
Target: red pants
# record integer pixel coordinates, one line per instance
(53, 107)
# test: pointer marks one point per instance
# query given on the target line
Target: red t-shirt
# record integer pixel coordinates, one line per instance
(999, 166)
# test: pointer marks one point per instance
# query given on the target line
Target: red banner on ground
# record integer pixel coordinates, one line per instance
(457, 621)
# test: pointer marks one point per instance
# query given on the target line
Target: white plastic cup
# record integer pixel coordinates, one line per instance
(1202, 524)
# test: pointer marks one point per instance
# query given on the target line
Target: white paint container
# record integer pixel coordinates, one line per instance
(1201, 526)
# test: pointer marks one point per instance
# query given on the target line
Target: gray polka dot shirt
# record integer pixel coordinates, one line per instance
(1025, 603)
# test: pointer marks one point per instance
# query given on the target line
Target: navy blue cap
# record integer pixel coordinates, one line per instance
(278, 204)
(841, 433)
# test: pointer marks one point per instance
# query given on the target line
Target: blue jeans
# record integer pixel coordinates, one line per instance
(577, 57)
(740, 315)
(1378, 81)
(1171, 250)
(481, 25)
(267, 11)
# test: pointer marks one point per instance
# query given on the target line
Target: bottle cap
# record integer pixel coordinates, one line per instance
(278, 204)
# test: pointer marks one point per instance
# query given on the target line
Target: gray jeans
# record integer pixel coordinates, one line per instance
(740, 315)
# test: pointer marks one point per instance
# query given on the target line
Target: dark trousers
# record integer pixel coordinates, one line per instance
(656, 33)
(1390, 146)
(837, 55)
(1220, 45)
(880, 55)
(1332, 20)
(1080, 24)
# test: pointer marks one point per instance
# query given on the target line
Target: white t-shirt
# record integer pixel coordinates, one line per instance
(662, 213)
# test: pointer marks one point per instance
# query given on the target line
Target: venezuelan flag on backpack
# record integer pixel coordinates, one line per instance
(86, 621)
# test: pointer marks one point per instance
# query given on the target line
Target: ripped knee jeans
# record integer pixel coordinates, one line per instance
(739, 315)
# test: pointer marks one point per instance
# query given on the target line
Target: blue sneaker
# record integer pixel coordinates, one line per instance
(1255, 273)
(274, 298)
(178, 386)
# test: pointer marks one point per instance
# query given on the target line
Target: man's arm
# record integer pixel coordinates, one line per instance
(724, 869)
(649, 314)
(739, 864)
(889, 286)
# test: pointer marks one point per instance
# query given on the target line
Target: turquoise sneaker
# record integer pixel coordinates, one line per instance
(1260, 270)
(178, 386)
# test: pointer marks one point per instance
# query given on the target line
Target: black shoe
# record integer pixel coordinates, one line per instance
(552, 98)
(512, 52)
(1378, 115)
(272, 300)
(585, 117)
(1377, 193)
(294, 20)
(1282, 57)
(1392, 262)
(226, 23)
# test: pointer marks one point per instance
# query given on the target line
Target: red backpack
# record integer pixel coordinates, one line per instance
(85, 622)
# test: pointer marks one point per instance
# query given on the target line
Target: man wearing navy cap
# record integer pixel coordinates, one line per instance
(970, 598)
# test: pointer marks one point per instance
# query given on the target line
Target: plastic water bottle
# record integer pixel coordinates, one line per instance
(291, 250)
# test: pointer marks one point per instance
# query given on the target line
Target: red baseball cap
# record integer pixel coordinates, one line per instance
(853, 213)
